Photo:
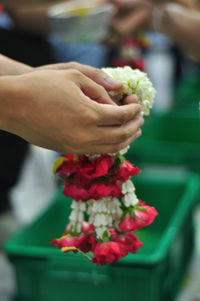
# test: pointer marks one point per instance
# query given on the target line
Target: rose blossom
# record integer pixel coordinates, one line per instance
(107, 252)
(68, 166)
(128, 242)
(77, 192)
(140, 219)
(96, 168)
(101, 190)
(125, 171)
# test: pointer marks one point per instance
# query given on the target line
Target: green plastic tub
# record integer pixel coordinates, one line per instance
(172, 138)
(153, 274)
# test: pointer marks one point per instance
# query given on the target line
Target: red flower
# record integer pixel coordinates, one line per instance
(77, 192)
(127, 224)
(127, 242)
(142, 217)
(95, 168)
(107, 252)
(67, 243)
(125, 171)
(68, 166)
(88, 243)
(87, 227)
(101, 190)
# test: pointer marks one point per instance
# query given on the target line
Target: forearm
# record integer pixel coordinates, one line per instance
(11, 67)
(8, 110)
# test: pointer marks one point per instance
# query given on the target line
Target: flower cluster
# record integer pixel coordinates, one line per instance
(133, 81)
(102, 190)
(105, 210)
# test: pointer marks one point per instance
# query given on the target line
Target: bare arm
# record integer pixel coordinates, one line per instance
(11, 67)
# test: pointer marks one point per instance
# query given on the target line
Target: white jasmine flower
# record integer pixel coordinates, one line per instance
(100, 231)
(77, 215)
(133, 81)
(130, 199)
(128, 186)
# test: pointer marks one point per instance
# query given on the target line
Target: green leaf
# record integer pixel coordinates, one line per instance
(139, 208)
(106, 236)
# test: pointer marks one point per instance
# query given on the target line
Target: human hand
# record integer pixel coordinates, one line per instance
(95, 74)
(54, 109)
(131, 16)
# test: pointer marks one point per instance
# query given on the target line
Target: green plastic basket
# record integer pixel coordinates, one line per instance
(171, 139)
(153, 274)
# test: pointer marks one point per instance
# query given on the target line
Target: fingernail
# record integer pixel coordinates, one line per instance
(113, 82)
(138, 133)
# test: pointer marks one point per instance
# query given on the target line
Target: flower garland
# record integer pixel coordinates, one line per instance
(102, 191)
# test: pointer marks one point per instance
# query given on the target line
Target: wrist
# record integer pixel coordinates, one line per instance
(10, 103)
(12, 67)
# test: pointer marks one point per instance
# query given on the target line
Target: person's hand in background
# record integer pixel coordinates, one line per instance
(131, 16)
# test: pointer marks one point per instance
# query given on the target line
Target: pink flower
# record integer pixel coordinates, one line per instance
(143, 216)
(127, 224)
(107, 252)
(128, 242)
(67, 243)
(87, 227)
(125, 171)
(85, 242)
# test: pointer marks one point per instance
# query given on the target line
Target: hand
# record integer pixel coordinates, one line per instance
(131, 16)
(95, 74)
(54, 109)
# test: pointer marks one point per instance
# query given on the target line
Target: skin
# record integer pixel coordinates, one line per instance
(180, 24)
(131, 16)
(65, 110)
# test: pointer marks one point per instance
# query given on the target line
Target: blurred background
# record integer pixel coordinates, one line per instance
(158, 37)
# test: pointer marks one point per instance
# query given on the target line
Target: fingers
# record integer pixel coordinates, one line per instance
(112, 148)
(95, 91)
(96, 75)
(117, 115)
(119, 134)
(131, 23)
(130, 99)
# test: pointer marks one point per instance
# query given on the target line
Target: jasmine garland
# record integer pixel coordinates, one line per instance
(102, 189)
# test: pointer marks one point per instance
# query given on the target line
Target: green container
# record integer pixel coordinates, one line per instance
(153, 274)
(172, 138)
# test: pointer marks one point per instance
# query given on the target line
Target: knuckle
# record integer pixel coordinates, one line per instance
(73, 65)
(123, 117)
(90, 117)
(125, 135)
(76, 73)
